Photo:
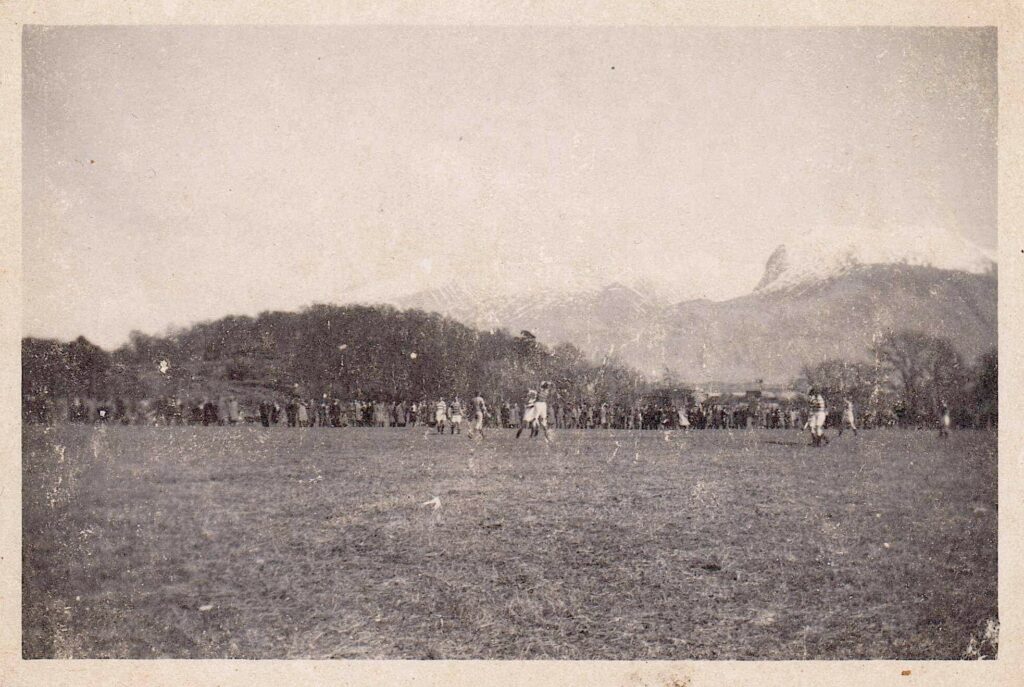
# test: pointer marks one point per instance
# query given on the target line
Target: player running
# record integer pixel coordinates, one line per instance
(456, 416)
(848, 418)
(440, 415)
(816, 420)
(479, 412)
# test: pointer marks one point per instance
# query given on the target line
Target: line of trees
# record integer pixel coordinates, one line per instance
(909, 376)
(366, 352)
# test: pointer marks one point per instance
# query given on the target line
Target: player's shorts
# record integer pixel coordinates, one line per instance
(540, 411)
(439, 417)
(478, 421)
(946, 421)
(457, 418)
(817, 420)
(529, 413)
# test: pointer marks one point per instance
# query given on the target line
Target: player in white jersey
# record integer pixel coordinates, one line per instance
(455, 415)
(529, 414)
(440, 415)
(816, 420)
(479, 412)
(945, 422)
(848, 418)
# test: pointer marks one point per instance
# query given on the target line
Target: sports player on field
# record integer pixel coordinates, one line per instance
(456, 416)
(945, 422)
(816, 420)
(541, 409)
(440, 415)
(848, 420)
(479, 412)
(529, 414)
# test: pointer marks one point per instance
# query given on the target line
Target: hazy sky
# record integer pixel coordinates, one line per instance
(173, 174)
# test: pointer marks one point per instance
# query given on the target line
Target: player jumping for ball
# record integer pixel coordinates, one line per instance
(536, 414)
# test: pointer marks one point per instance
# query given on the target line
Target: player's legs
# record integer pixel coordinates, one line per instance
(544, 426)
(540, 419)
(815, 426)
(529, 420)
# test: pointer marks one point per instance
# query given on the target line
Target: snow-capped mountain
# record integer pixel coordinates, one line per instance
(825, 254)
(824, 296)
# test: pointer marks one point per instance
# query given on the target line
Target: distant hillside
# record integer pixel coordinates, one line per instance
(769, 334)
(772, 335)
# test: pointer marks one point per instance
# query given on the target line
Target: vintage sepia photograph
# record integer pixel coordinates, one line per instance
(509, 342)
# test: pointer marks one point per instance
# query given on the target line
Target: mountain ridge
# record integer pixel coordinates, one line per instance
(770, 333)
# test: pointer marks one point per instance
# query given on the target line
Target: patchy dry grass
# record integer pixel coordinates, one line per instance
(252, 543)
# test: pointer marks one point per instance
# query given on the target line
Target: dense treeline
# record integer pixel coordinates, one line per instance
(368, 352)
(378, 353)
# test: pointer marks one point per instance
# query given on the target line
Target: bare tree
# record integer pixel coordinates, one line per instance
(926, 369)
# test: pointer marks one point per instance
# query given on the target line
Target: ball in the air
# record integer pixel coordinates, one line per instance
(413, 355)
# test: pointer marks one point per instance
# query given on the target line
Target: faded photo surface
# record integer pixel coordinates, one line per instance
(509, 343)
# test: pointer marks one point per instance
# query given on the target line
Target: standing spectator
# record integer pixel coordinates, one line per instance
(232, 407)
(209, 413)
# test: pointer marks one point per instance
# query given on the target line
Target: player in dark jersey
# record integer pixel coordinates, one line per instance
(479, 413)
(455, 416)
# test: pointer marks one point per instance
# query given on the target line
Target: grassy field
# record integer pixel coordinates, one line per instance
(244, 542)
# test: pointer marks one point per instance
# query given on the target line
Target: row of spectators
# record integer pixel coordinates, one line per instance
(325, 412)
